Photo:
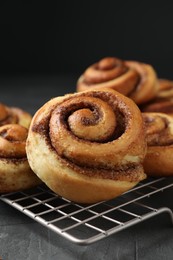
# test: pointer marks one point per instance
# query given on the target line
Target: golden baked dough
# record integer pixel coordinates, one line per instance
(14, 115)
(159, 157)
(165, 88)
(131, 78)
(88, 146)
(15, 172)
(163, 102)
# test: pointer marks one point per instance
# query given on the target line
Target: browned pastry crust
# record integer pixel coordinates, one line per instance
(15, 172)
(14, 115)
(131, 78)
(159, 157)
(163, 102)
(88, 146)
(165, 88)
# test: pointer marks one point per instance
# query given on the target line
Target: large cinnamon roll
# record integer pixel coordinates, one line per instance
(14, 115)
(131, 78)
(163, 102)
(159, 157)
(88, 146)
(15, 172)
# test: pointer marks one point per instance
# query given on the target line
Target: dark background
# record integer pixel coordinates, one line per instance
(55, 37)
(44, 47)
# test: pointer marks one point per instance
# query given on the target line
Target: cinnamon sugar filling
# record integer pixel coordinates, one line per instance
(160, 105)
(161, 136)
(130, 171)
(15, 161)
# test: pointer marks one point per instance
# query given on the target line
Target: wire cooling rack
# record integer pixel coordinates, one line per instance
(85, 224)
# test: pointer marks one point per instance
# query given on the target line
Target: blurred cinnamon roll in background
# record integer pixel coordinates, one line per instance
(15, 172)
(159, 132)
(14, 115)
(131, 78)
(88, 146)
(165, 88)
(163, 102)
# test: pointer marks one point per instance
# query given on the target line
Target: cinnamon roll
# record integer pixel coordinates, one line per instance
(163, 102)
(131, 78)
(14, 115)
(88, 146)
(159, 132)
(165, 88)
(15, 172)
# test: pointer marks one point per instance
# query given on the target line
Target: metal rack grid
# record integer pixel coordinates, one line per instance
(85, 224)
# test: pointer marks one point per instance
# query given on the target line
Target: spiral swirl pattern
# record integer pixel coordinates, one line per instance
(15, 172)
(12, 141)
(159, 131)
(14, 115)
(165, 88)
(134, 79)
(163, 102)
(94, 135)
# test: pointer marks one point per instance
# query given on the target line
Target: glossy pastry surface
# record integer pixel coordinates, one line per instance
(163, 102)
(88, 146)
(131, 78)
(14, 115)
(15, 172)
(159, 157)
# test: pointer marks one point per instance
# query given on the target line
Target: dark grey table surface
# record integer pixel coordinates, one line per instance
(21, 238)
